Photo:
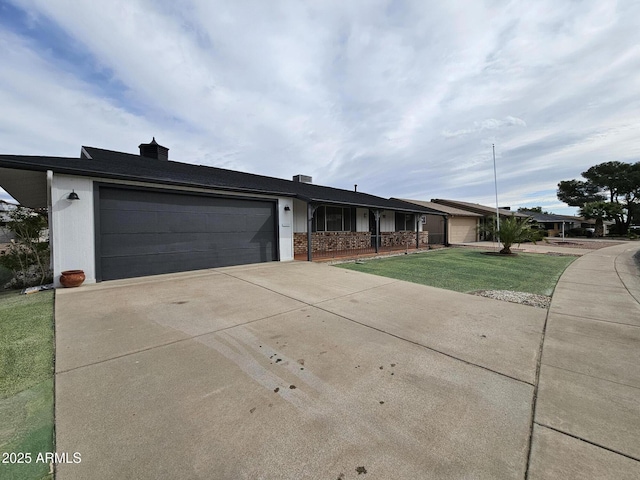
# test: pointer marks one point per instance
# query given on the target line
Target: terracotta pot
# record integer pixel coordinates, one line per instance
(72, 278)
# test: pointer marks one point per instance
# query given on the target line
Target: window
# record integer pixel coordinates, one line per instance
(404, 221)
(334, 219)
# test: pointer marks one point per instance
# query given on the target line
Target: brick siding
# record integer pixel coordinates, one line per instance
(338, 241)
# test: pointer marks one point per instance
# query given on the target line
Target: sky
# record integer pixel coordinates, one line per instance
(403, 98)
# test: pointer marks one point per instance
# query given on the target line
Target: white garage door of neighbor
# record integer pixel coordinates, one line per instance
(463, 229)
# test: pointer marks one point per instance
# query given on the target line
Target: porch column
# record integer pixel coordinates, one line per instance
(417, 217)
(446, 231)
(311, 210)
(377, 217)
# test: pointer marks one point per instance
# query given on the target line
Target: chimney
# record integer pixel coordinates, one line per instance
(302, 179)
(154, 150)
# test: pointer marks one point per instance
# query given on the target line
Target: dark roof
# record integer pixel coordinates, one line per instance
(549, 217)
(100, 163)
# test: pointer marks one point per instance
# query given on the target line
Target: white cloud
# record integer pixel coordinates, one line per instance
(403, 98)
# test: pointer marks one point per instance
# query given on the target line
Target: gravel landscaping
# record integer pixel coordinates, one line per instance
(588, 244)
(531, 299)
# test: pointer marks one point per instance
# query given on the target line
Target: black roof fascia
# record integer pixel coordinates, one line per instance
(129, 167)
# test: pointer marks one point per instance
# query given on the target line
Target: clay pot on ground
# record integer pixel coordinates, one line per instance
(72, 278)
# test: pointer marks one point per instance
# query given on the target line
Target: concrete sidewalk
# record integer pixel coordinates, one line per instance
(303, 370)
(587, 413)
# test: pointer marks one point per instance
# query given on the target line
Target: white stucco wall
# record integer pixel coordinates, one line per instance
(387, 221)
(285, 228)
(72, 228)
(362, 219)
(299, 216)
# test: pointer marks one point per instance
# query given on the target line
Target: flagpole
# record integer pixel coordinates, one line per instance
(495, 181)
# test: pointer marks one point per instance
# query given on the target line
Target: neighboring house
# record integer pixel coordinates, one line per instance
(554, 225)
(467, 219)
(487, 214)
(119, 215)
(5, 209)
(5, 234)
(590, 225)
(452, 225)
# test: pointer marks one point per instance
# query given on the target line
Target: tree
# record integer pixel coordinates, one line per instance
(576, 193)
(600, 211)
(28, 255)
(513, 231)
(532, 210)
(612, 182)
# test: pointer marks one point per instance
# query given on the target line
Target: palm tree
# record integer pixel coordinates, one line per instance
(513, 231)
(600, 211)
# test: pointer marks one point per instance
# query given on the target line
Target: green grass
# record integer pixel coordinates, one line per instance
(468, 270)
(26, 380)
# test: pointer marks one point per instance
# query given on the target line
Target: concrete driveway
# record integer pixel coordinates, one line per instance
(290, 371)
(300, 370)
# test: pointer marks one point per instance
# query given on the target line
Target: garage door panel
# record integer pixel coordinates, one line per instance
(147, 233)
(118, 245)
(130, 221)
(258, 223)
(140, 265)
(197, 250)
(220, 223)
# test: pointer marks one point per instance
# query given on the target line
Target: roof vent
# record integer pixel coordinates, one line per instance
(302, 179)
(154, 150)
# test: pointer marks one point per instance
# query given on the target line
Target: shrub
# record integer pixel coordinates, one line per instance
(27, 257)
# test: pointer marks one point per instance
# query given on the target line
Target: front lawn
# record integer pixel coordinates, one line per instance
(26, 381)
(468, 270)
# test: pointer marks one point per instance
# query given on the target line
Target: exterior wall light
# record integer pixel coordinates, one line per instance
(286, 208)
(73, 196)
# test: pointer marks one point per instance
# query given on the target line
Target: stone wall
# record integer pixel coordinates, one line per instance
(331, 241)
(338, 241)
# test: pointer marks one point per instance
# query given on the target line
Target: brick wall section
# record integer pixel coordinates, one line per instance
(331, 241)
(401, 239)
(337, 241)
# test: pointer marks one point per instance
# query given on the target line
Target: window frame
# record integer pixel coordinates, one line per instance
(404, 219)
(347, 215)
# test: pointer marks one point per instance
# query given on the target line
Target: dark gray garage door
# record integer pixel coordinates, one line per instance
(143, 232)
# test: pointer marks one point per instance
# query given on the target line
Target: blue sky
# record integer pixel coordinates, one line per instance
(404, 98)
